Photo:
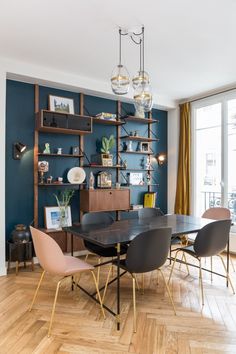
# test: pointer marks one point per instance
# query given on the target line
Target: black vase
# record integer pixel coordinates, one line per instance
(20, 234)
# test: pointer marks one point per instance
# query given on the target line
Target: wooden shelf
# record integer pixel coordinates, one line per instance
(139, 169)
(101, 166)
(60, 184)
(137, 152)
(73, 124)
(60, 155)
(138, 138)
(140, 185)
(140, 120)
(107, 122)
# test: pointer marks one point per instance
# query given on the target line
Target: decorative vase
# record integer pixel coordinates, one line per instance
(20, 234)
(63, 216)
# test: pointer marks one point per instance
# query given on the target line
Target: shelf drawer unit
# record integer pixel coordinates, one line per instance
(104, 200)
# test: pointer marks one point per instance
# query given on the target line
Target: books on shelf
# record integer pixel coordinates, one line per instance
(106, 116)
(136, 206)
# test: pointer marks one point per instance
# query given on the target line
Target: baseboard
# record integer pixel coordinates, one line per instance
(3, 271)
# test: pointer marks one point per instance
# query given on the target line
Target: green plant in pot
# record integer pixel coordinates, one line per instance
(107, 145)
(63, 200)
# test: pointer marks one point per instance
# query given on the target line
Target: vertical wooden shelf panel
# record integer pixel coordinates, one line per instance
(36, 143)
(118, 129)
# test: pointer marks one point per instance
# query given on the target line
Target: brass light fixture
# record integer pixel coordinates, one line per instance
(161, 159)
(120, 80)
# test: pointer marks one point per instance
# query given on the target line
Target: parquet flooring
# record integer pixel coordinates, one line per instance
(79, 327)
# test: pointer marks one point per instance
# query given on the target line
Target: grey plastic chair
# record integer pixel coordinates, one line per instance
(102, 220)
(147, 252)
(210, 241)
(149, 213)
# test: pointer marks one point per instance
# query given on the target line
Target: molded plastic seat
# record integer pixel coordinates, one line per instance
(53, 261)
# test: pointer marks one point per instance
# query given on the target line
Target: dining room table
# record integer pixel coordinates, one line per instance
(124, 231)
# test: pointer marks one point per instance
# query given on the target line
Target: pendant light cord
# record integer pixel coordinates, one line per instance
(120, 47)
(143, 49)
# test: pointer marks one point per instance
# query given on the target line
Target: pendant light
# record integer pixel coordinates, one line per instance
(141, 76)
(120, 80)
(142, 93)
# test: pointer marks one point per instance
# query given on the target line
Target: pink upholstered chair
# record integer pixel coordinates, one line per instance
(53, 261)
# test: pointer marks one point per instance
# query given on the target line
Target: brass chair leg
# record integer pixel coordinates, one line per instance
(98, 271)
(172, 268)
(143, 281)
(232, 263)
(32, 264)
(227, 274)
(185, 259)
(137, 283)
(98, 293)
(54, 307)
(86, 257)
(107, 281)
(200, 281)
(37, 289)
(134, 305)
(168, 291)
(157, 277)
(180, 265)
(211, 259)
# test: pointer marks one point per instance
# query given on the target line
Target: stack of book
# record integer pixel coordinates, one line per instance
(106, 116)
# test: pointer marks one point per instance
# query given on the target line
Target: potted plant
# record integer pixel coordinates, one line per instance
(107, 145)
(63, 201)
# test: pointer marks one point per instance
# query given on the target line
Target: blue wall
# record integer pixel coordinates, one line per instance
(20, 127)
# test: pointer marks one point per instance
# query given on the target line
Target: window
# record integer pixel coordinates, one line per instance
(214, 154)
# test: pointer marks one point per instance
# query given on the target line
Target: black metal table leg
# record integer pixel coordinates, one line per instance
(118, 287)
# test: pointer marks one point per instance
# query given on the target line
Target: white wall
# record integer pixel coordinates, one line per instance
(2, 169)
(173, 147)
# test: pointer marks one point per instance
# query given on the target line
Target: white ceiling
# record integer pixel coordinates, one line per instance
(190, 45)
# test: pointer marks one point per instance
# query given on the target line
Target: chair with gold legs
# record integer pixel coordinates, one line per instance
(53, 261)
(147, 252)
(210, 241)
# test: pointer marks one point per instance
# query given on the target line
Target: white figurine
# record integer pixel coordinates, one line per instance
(91, 180)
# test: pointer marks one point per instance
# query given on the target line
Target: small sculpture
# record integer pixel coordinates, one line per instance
(49, 179)
(148, 163)
(43, 166)
(59, 151)
(91, 180)
(124, 164)
(47, 149)
(130, 146)
(142, 163)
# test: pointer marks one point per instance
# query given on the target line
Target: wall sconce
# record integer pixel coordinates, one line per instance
(18, 150)
(161, 159)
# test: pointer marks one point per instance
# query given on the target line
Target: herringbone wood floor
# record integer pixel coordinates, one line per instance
(80, 328)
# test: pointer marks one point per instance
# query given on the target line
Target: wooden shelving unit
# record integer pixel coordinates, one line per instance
(140, 120)
(138, 138)
(44, 123)
(60, 155)
(107, 122)
(101, 166)
(137, 152)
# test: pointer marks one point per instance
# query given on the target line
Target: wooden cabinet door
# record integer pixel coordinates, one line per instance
(120, 199)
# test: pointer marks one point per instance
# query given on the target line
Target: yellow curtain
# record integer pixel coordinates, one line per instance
(182, 199)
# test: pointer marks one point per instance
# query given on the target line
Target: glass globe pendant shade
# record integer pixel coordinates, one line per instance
(143, 98)
(120, 80)
(141, 77)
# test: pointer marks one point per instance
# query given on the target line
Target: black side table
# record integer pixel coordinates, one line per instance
(20, 252)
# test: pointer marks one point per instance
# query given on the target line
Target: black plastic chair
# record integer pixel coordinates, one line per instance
(210, 241)
(149, 213)
(100, 219)
(147, 252)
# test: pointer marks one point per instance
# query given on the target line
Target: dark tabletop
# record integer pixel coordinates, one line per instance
(126, 230)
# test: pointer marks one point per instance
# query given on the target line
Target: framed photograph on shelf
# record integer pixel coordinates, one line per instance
(52, 217)
(144, 146)
(135, 178)
(61, 104)
(75, 150)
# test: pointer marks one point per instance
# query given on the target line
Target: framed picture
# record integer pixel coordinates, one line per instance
(135, 178)
(75, 150)
(144, 147)
(61, 104)
(52, 217)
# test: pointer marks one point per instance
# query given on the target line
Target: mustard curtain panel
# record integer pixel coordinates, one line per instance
(182, 199)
